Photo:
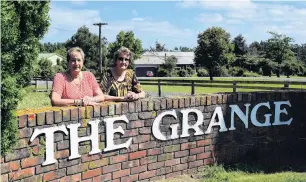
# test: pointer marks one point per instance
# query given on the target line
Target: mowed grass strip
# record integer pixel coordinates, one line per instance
(219, 174)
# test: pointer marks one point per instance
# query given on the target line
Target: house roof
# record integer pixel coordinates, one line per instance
(159, 57)
(47, 55)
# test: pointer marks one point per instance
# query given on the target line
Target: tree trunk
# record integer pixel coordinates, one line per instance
(278, 71)
(211, 75)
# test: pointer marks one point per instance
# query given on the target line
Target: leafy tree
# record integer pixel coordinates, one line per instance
(254, 49)
(89, 42)
(51, 47)
(46, 70)
(183, 49)
(159, 47)
(278, 49)
(240, 47)
(183, 73)
(23, 24)
(267, 66)
(214, 50)
(128, 40)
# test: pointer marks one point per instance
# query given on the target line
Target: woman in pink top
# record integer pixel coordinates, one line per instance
(75, 87)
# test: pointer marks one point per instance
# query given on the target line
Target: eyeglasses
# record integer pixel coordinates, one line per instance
(121, 59)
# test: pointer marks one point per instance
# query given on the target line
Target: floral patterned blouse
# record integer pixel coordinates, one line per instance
(110, 86)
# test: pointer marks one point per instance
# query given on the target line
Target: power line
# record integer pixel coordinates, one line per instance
(60, 29)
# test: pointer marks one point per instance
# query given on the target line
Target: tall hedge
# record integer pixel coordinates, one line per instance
(23, 24)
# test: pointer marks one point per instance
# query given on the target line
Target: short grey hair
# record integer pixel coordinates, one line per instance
(123, 50)
(75, 49)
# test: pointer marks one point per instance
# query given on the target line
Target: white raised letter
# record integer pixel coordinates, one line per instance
(75, 140)
(49, 132)
(221, 123)
(277, 120)
(155, 128)
(186, 126)
(244, 117)
(110, 131)
(267, 116)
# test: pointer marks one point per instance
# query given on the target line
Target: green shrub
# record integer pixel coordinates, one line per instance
(223, 71)
(202, 73)
(190, 71)
(162, 72)
(250, 74)
(183, 73)
(236, 71)
(10, 96)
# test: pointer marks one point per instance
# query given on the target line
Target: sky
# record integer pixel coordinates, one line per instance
(177, 23)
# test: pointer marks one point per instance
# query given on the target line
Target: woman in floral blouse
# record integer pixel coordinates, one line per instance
(120, 83)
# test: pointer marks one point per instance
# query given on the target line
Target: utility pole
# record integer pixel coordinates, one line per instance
(100, 44)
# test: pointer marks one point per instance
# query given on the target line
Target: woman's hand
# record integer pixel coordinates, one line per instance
(89, 101)
(132, 96)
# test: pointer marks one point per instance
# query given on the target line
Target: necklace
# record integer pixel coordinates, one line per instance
(78, 84)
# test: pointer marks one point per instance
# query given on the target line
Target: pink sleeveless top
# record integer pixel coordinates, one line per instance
(69, 90)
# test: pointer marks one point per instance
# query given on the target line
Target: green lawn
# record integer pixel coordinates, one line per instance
(40, 99)
(33, 99)
(220, 174)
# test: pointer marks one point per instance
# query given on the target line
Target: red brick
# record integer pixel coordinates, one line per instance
(130, 178)
(87, 157)
(156, 165)
(147, 174)
(91, 173)
(121, 173)
(139, 169)
(25, 132)
(98, 163)
(43, 169)
(158, 178)
(147, 160)
(188, 159)
(204, 155)
(189, 145)
(4, 178)
(131, 132)
(54, 174)
(137, 124)
(130, 164)
(87, 180)
(155, 151)
(172, 162)
(65, 179)
(196, 150)
(33, 161)
(137, 155)
(164, 170)
(118, 158)
(76, 177)
(106, 177)
(195, 163)
(22, 174)
(180, 167)
(171, 175)
(10, 166)
(111, 168)
(202, 143)
(62, 154)
(208, 161)
(77, 169)
(181, 154)
(142, 138)
(23, 121)
(147, 145)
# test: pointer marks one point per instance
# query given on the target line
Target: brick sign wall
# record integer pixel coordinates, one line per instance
(149, 158)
